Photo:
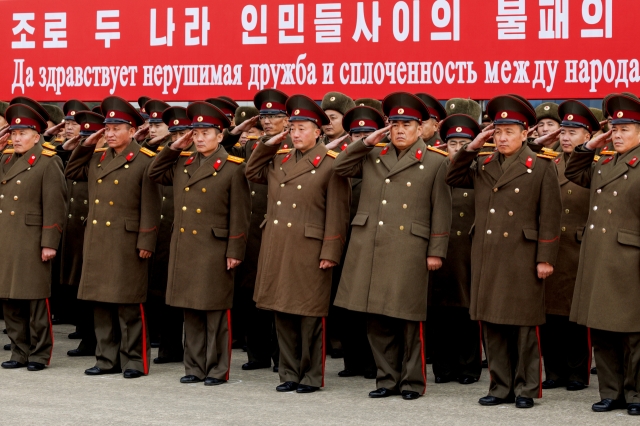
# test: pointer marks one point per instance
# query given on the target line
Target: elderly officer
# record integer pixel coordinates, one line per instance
(517, 217)
(456, 343)
(303, 238)
(400, 232)
(430, 126)
(566, 346)
(606, 299)
(32, 207)
(210, 226)
(122, 227)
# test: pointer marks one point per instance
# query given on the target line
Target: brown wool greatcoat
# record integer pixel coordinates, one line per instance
(607, 287)
(307, 221)
(404, 216)
(575, 210)
(124, 214)
(32, 208)
(517, 226)
(211, 221)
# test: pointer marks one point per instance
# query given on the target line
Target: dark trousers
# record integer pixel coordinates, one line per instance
(515, 364)
(171, 332)
(122, 336)
(302, 349)
(85, 326)
(207, 344)
(355, 344)
(262, 340)
(566, 349)
(618, 361)
(456, 343)
(28, 325)
(398, 350)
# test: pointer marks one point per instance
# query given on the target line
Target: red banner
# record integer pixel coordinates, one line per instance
(190, 50)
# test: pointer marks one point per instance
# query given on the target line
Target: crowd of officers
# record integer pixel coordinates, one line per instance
(388, 232)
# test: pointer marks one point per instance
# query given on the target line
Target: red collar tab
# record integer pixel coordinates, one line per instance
(286, 158)
(130, 156)
(384, 150)
(32, 159)
(254, 146)
(529, 162)
(217, 164)
(607, 160)
(344, 146)
(419, 154)
(489, 158)
(316, 161)
(557, 160)
(8, 159)
(104, 154)
(633, 161)
(189, 160)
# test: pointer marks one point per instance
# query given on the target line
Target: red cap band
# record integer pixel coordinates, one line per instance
(119, 115)
(363, 123)
(23, 121)
(434, 113)
(511, 115)
(625, 115)
(408, 112)
(180, 122)
(460, 130)
(198, 120)
(306, 115)
(91, 127)
(576, 119)
(270, 105)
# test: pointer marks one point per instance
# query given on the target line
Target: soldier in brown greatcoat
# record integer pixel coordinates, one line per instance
(303, 238)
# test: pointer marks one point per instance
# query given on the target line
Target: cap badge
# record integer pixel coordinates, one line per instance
(547, 108)
(296, 112)
(86, 125)
(143, 110)
(453, 106)
(176, 122)
(333, 98)
(155, 114)
(458, 129)
(361, 104)
(112, 114)
(269, 104)
(200, 119)
(18, 121)
(504, 115)
(401, 111)
(570, 117)
(361, 123)
(243, 114)
(620, 114)
(73, 113)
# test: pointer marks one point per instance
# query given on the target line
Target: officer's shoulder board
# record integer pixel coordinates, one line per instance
(147, 152)
(550, 152)
(439, 151)
(607, 153)
(381, 144)
(489, 145)
(160, 148)
(100, 150)
(483, 153)
(8, 151)
(237, 145)
(186, 153)
(48, 153)
(283, 151)
(548, 157)
(49, 145)
(332, 154)
(235, 159)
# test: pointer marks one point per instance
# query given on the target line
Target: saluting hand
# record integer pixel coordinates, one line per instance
(94, 138)
(544, 270)
(434, 263)
(232, 263)
(326, 264)
(481, 139)
(4, 130)
(184, 142)
(155, 141)
(72, 143)
(549, 139)
(52, 131)
(599, 141)
(48, 254)
(245, 126)
(277, 139)
(4, 140)
(336, 142)
(142, 133)
(376, 136)
(532, 130)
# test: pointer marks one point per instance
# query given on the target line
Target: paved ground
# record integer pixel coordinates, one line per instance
(62, 394)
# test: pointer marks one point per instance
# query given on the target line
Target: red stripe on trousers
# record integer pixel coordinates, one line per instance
(230, 343)
(424, 362)
(145, 362)
(46, 301)
(324, 348)
(540, 358)
(590, 351)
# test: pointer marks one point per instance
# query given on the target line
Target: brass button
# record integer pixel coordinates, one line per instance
(12, 213)
(185, 170)
(253, 192)
(461, 214)
(458, 233)
(495, 189)
(489, 231)
(75, 183)
(615, 193)
(604, 231)
(294, 206)
(15, 197)
(510, 213)
(377, 160)
(590, 226)
(492, 211)
(99, 180)
(85, 201)
(387, 180)
(97, 201)
(517, 190)
(110, 203)
(71, 200)
(69, 216)
(564, 229)
(81, 217)
(506, 234)
(164, 198)
(569, 192)
(215, 173)
(95, 222)
(465, 195)
(401, 228)
(288, 225)
(195, 232)
(108, 223)
(599, 191)
(384, 201)
(115, 182)
(381, 223)
(126, 166)
(204, 189)
(275, 221)
(313, 172)
(404, 206)
(198, 211)
(282, 185)
(408, 183)
(421, 167)
(567, 211)
(299, 186)
(595, 208)
(1, 196)
(181, 229)
(184, 208)
(609, 211)
(186, 189)
(161, 216)
(278, 202)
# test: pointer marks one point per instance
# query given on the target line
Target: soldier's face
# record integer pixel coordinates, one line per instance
(119, 135)
(206, 140)
(253, 132)
(570, 137)
(429, 128)
(333, 129)
(625, 137)
(158, 130)
(24, 139)
(405, 133)
(359, 135)
(71, 129)
(304, 135)
(546, 126)
(509, 138)
(455, 144)
(177, 135)
(273, 124)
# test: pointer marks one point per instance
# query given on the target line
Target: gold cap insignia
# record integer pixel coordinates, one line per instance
(176, 122)
(569, 117)
(361, 123)
(18, 121)
(547, 108)
(72, 113)
(620, 114)
(401, 111)
(243, 114)
(458, 129)
(155, 114)
(86, 125)
(112, 113)
(269, 104)
(504, 115)
(453, 106)
(296, 112)
(200, 119)
(333, 98)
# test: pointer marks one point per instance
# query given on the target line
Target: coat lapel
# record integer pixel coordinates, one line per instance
(561, 165)
(388, 156)
(23, 163)
(211, 164)
(526, 160)
(305, 165)
(126, 156)
(611, 173)
(415, 155)
(492, 168)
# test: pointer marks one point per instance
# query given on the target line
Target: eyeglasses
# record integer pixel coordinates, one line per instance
(271, 116)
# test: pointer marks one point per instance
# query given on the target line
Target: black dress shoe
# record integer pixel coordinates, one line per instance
(275, 369)
(80, 352)
(608, 404)
(12, 364)
(466, 380)
(594, 371)
(409, 395)
(35, 366)
(633, 409)
(165, 360)
(97, 371)
(485, 364)
(382, 393)
(493, 400)
(190, 379)
(254, 365)
(7, 347)
(306, 389)
(575, 385)
(523, 402)
(4, 331)
(211, 381)
(443, 379)
(349, 373)
(552, 384)
(287, 387)
(75, 336)
(130, 373)
(370, 374)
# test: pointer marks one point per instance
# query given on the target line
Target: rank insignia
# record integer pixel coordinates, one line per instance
(607, 160)
(32, 160)
(529, 162)
(316, 161)
(384, 150)
(633, 161)
(489, 158)
(189, 161)
(343, 147)
(217, 164)
(130, 156)
(104, 154)
(286, 158)
(418, 154)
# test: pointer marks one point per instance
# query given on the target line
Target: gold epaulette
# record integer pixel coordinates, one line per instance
(237, 145)
(160, 148)
(439, 151)
(596, 158)
(381, 145)
(48, 153)
(186, 153)
(548, 157)
(49, 145)
(8, 151)
(235, 159)
(100, 150)
(332, 154)
(607, 153)
(548, 151)
(147, 152)
(487, 145)
(283, 151)
(251, 138)
(480, 154)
